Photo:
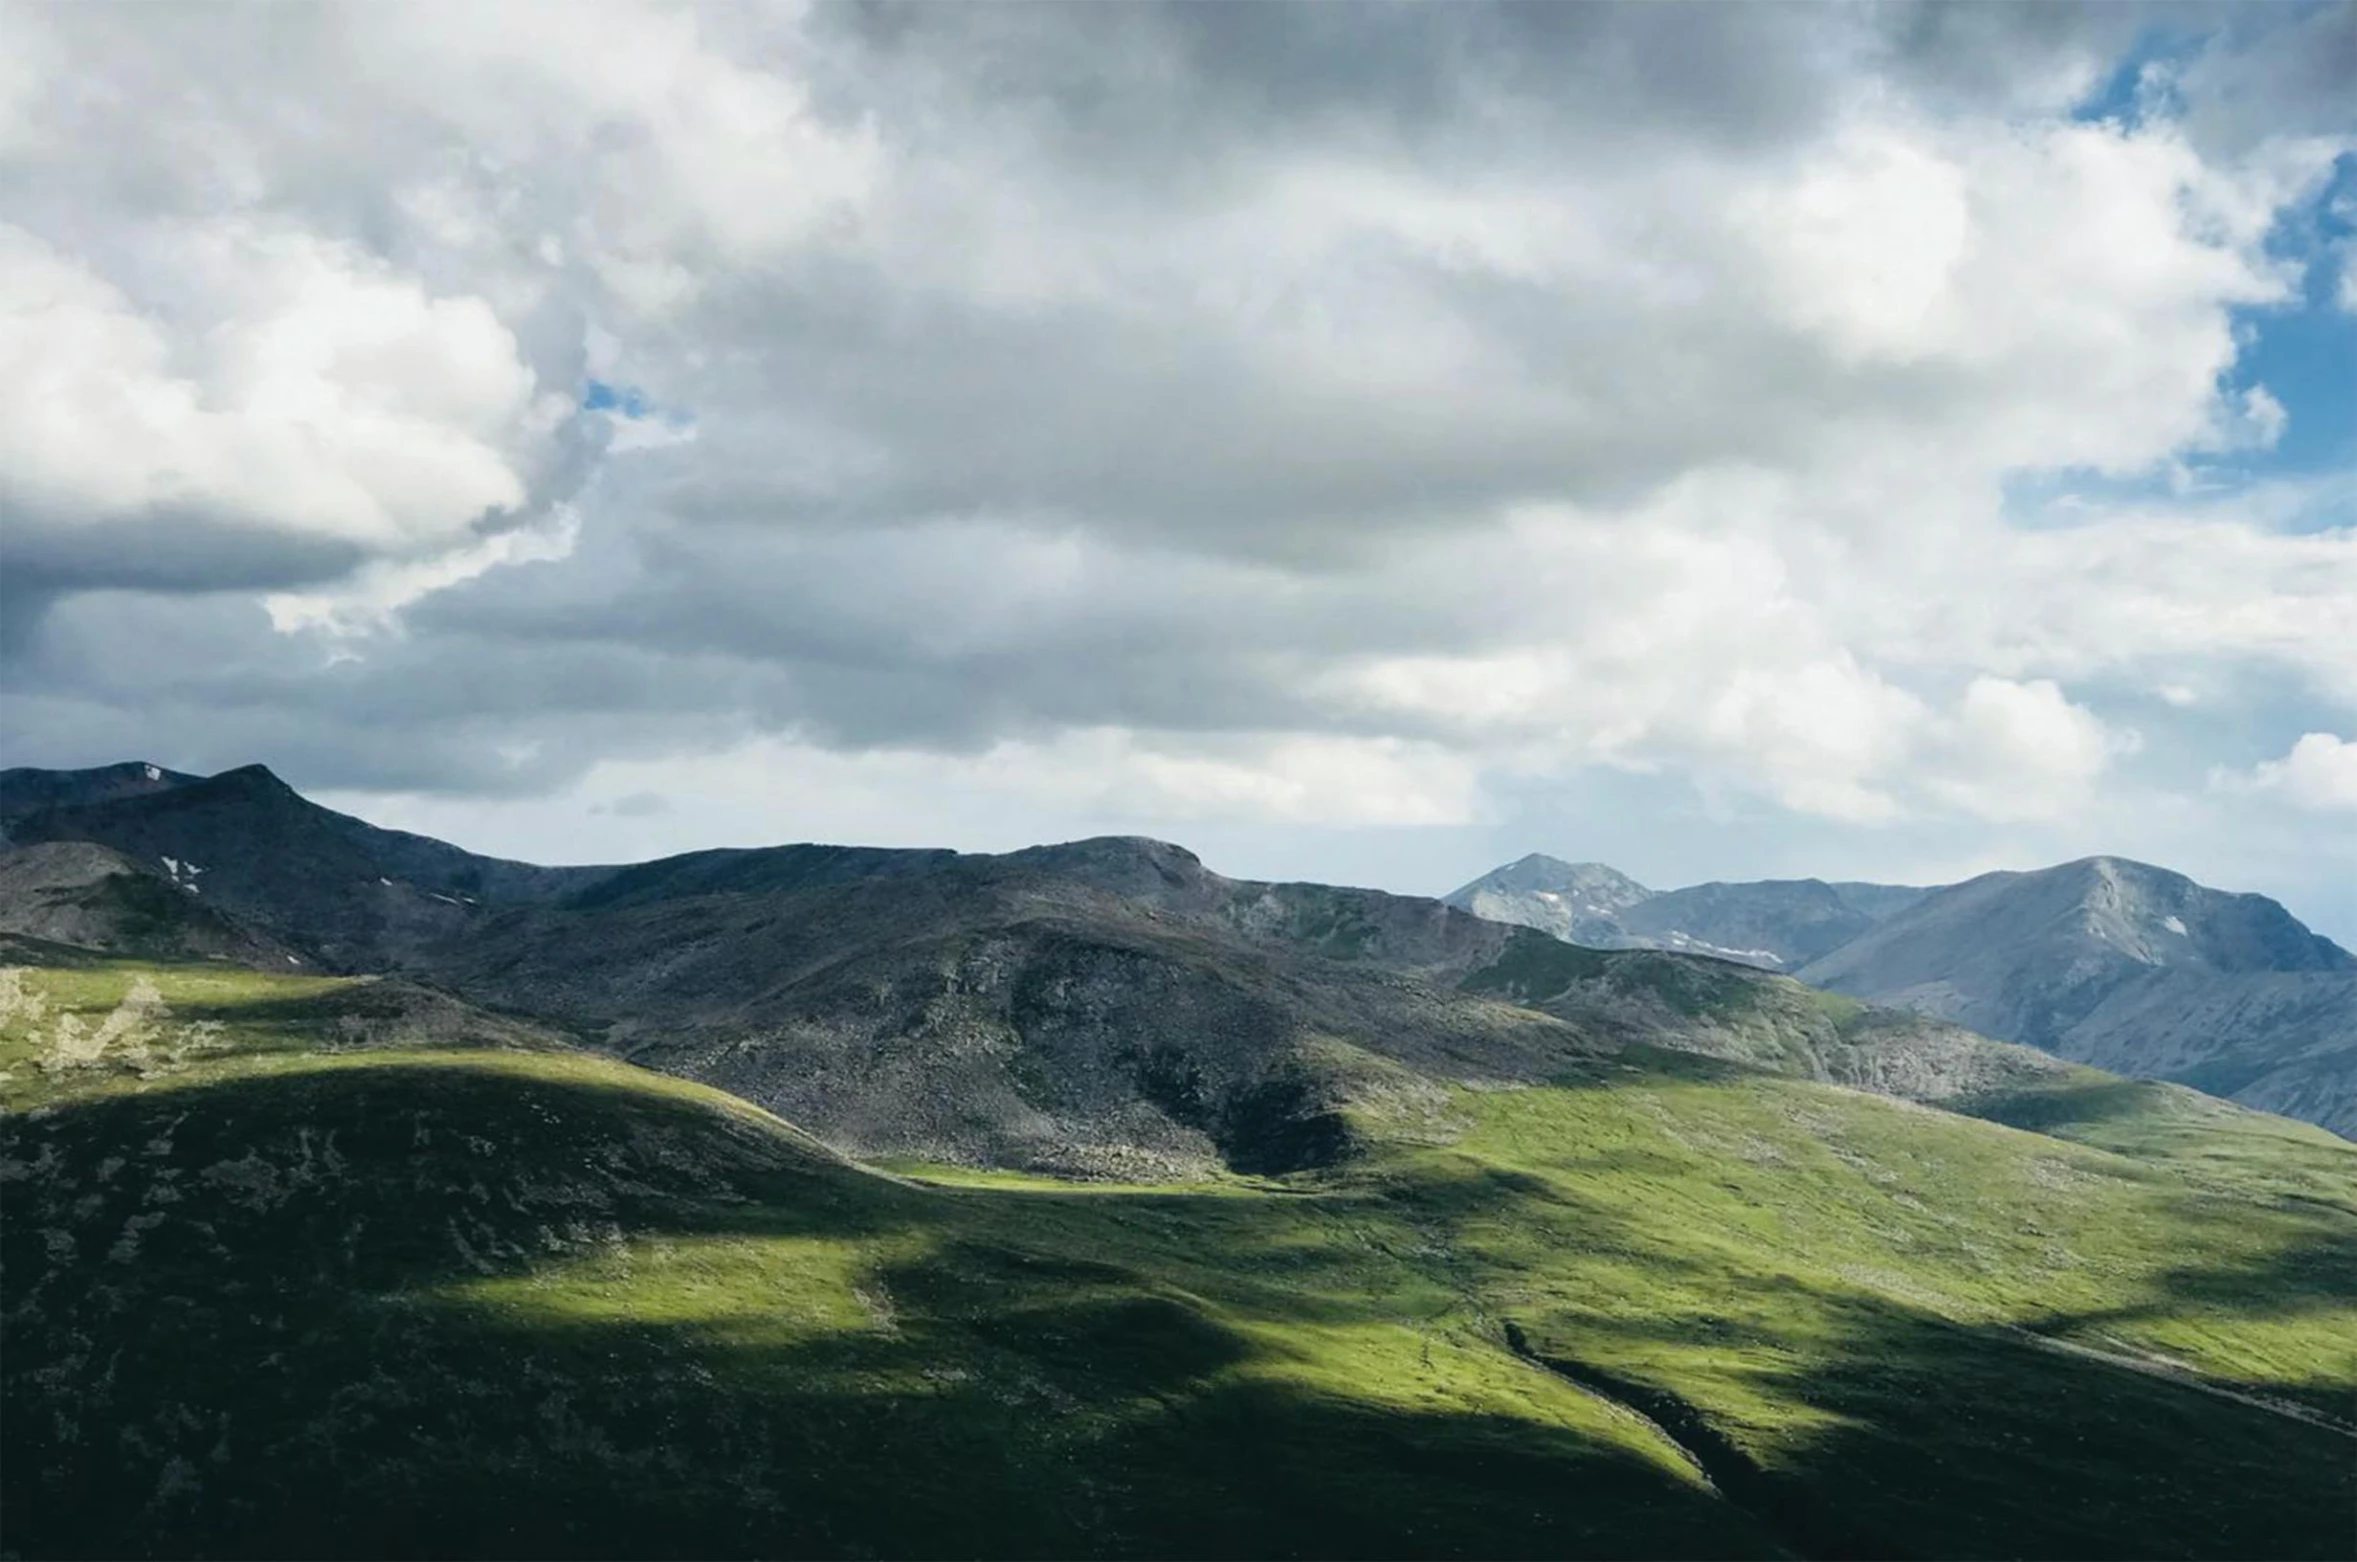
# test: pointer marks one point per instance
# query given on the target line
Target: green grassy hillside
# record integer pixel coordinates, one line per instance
(280, 1278)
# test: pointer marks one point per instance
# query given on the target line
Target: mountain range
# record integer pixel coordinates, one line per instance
(367, 1195)
(1096, 1006)
(2104, 961)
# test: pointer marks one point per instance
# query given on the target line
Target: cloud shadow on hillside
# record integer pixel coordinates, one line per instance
(293, 1360)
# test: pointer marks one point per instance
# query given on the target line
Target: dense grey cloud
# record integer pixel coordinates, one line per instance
(1195, 417)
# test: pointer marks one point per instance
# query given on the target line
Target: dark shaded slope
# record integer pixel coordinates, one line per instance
(1800, 1518)
(1112, 1006)
(748, 870)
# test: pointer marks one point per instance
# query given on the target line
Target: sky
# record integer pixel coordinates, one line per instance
(1362, 443)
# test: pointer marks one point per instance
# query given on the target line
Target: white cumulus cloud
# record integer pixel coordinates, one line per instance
(2319, 772)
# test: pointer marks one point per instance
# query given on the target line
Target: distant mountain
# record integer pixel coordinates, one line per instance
(1581, 902)
(2107, 962)
(2130, 968)
(1777, 924)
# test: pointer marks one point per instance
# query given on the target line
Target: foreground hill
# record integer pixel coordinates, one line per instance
(280, 1284)
(2130, 968)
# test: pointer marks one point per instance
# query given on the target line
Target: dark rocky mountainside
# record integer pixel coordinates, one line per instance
(1105, 1006)
(1090, 1004)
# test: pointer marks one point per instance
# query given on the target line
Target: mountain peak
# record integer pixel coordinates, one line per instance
(1599, 883)
(255, 779)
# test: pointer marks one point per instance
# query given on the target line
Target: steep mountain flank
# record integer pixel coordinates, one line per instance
(2131, 968)
(1114, 1006)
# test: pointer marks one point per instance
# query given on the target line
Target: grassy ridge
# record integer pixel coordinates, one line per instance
(264, 1297)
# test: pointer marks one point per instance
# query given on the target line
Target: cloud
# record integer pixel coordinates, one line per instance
(2017, 751)
(1205, 412)
(1011, 794)
(370, 598)
(2320, 773)
(309, 395)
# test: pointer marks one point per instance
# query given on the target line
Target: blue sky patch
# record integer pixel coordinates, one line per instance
(625, 400)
